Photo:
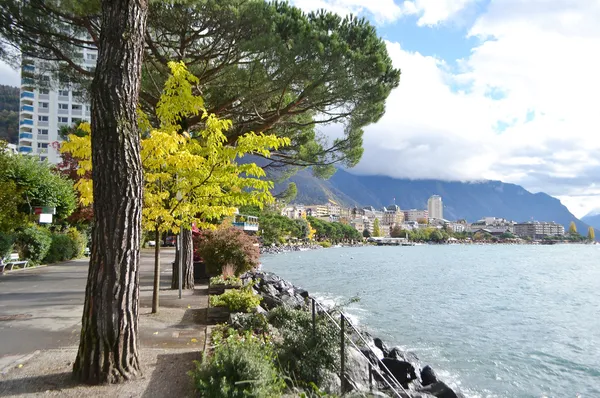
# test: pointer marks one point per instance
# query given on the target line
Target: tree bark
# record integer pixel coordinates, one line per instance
(108, 347)
(188, 262)
(156, 273)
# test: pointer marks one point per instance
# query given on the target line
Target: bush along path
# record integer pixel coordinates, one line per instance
(276, 342)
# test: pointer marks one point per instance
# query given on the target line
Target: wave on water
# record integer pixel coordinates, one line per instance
(356, 315)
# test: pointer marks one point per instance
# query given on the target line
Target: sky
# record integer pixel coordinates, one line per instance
(490, 89)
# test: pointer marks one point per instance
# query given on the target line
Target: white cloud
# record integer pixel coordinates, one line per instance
(429, 12)
(381, 10)
(433, 12)
(9, 76)
(546, 65)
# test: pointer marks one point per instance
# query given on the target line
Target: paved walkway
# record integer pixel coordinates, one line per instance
(40, 321)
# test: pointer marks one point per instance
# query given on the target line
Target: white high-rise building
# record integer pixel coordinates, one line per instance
(43, 111)
(435, 207)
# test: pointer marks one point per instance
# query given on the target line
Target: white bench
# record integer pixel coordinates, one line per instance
(13, 260)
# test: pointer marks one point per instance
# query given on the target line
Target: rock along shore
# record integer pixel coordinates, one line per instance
(276, 291)
(277, 249)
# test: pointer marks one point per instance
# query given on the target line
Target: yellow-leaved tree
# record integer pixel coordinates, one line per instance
(189, 177)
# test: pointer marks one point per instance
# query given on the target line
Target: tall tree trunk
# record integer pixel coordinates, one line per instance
(108, 347)
(188, 262)
(156, 272)
(188, 259)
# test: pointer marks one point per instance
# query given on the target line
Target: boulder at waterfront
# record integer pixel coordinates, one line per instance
(276, 291)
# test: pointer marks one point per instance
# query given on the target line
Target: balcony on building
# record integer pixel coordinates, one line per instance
(25, 136)
(28, 95)
(28, 68)
(26, 122)
(76, 112)
(62, 111)
(44, 95)
(27, 109)
(62, 97)
(246, 223)
(42, 137)
(25, 149)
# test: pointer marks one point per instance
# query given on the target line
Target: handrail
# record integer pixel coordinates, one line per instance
(344, 318)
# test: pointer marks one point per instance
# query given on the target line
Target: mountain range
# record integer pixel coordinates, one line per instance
(592, 218)
(462, 200)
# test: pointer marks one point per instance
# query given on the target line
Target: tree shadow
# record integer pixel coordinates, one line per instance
(37, 384)
(192, 317)
(170, 378)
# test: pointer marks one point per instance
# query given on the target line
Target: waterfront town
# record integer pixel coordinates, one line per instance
(392, 216)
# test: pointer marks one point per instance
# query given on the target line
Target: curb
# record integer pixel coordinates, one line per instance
(22, 269)
(17, 362)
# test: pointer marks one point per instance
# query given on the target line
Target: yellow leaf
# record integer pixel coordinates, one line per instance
(188, 177)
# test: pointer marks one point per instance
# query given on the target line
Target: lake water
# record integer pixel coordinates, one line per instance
(497, 321)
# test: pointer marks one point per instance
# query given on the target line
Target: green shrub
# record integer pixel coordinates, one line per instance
(62, 248)
(226, 280)
(79, 241)
(237, 300)
(254, 322)
(301, 356)
(33, 243)
(325, 244)
(227, 246)
(6, 244)
(239, 367)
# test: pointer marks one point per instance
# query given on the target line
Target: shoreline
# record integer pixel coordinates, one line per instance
(277, 291)
(280, 249)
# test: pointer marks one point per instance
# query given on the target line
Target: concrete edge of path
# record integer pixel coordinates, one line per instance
(14, 361)
(7, 272)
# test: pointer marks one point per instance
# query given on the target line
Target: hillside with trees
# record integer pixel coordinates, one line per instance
(9, 113)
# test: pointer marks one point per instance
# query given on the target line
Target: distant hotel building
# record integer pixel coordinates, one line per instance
(415, 215)
(493, 225)
(538, 230)
(435, 207)
(44, 110)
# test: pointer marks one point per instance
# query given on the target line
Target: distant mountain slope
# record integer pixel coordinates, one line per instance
(592, 219)
(468, 200)
(9, 114)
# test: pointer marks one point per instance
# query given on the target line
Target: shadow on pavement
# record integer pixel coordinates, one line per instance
(170, 378)
(37, 384)
(192, 317)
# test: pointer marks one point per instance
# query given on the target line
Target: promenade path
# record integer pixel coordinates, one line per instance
(40, 321)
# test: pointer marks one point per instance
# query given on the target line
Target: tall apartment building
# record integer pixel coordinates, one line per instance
(43, 111)
(435, 207)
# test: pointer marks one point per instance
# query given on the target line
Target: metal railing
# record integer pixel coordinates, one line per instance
(344, 321)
